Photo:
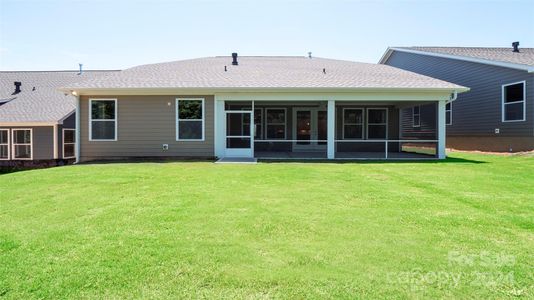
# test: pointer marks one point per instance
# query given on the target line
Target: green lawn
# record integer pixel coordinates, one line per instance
(463, 227)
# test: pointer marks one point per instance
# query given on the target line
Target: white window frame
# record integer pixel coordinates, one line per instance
(178, 139)
(8, 143)
(367, 122)
(63, 143)
(267, 122)
(418, 115)
(345, 123)
(450, 113)
(116, 120)
(503, 104)
(13, 144)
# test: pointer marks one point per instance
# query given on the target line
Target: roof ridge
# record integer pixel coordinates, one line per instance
(58, 71)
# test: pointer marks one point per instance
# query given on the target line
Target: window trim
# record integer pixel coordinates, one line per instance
(116, 120)
(8, 143)
(177, 119)
(267, 122)
(414, 114)
(63, 143)
(503, 104)
(367, 122)
(13, 143)
(450, 112)
(344, 123)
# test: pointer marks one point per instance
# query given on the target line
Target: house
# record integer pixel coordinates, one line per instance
(37, 122)
(497, 114)
(256, 107)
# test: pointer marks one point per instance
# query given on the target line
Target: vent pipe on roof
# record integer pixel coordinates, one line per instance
(309, 55)
(234, 59)
(17, 87)
(516, 46)
(81, 69)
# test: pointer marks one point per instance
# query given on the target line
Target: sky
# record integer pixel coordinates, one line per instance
(57, 35)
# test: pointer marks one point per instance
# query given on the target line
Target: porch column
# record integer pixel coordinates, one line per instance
(331, 128)
(220, 128)
(441, 129)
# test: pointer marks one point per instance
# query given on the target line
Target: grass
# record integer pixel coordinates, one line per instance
(459, 228)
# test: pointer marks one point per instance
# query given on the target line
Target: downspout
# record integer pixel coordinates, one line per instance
(78, 128)
(56, 141)
(453, 96)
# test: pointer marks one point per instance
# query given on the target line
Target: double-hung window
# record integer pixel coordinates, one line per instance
(22, 144)
(352, 123)
(103, 120)
(276, 123)
(448, 113)
(377, 122)
(69, 143)
(416, 116)
(4, 144)
(190, 119)
(513, 102)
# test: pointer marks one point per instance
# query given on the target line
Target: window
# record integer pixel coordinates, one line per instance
(190, 119)
(377, 123)
(103, 120)
(513, 102)
(416, 116)
(4, 144)
(352, 123)
(69, 143)
(22, 144)
(448, 113)
(258, 124)
(276, 123)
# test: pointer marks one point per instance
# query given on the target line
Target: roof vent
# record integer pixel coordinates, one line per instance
(516, 46)
(17, 87)
(234, 59)
(81, 69)
(309, 55)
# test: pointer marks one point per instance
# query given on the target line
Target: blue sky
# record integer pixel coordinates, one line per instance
(48, 35)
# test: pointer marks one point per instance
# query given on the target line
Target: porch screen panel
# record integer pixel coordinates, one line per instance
(377, 123)
(238, 130)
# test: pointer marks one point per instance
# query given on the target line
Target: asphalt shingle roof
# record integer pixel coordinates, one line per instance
(525, 56)
(263, 73)
(44, 104)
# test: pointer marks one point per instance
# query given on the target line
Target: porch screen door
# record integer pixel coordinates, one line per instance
(239, 141)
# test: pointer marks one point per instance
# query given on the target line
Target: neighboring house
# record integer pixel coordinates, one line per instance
(262, 107)
(37, 122)
(497, 114)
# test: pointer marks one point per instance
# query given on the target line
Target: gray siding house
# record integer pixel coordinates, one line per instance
(497, 114)
(256, 107)
(37, 121)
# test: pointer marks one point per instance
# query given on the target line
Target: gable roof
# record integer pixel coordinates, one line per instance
(39, 101)
(503, 57)
(263, 73)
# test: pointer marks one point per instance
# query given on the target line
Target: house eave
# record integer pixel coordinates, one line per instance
(210, 91)
(389, 51)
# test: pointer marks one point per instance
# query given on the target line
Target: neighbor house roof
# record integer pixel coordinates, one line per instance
(505, 57)
(39, 100)
(263, 72)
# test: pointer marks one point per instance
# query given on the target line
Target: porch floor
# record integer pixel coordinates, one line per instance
(341, 155)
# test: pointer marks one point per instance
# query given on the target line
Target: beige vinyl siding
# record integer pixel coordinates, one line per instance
(145, 123)
(42, 141)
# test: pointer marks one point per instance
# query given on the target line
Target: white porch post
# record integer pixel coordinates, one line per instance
(219, 132)
(331, 127)
(441, 129)
(77, 139)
